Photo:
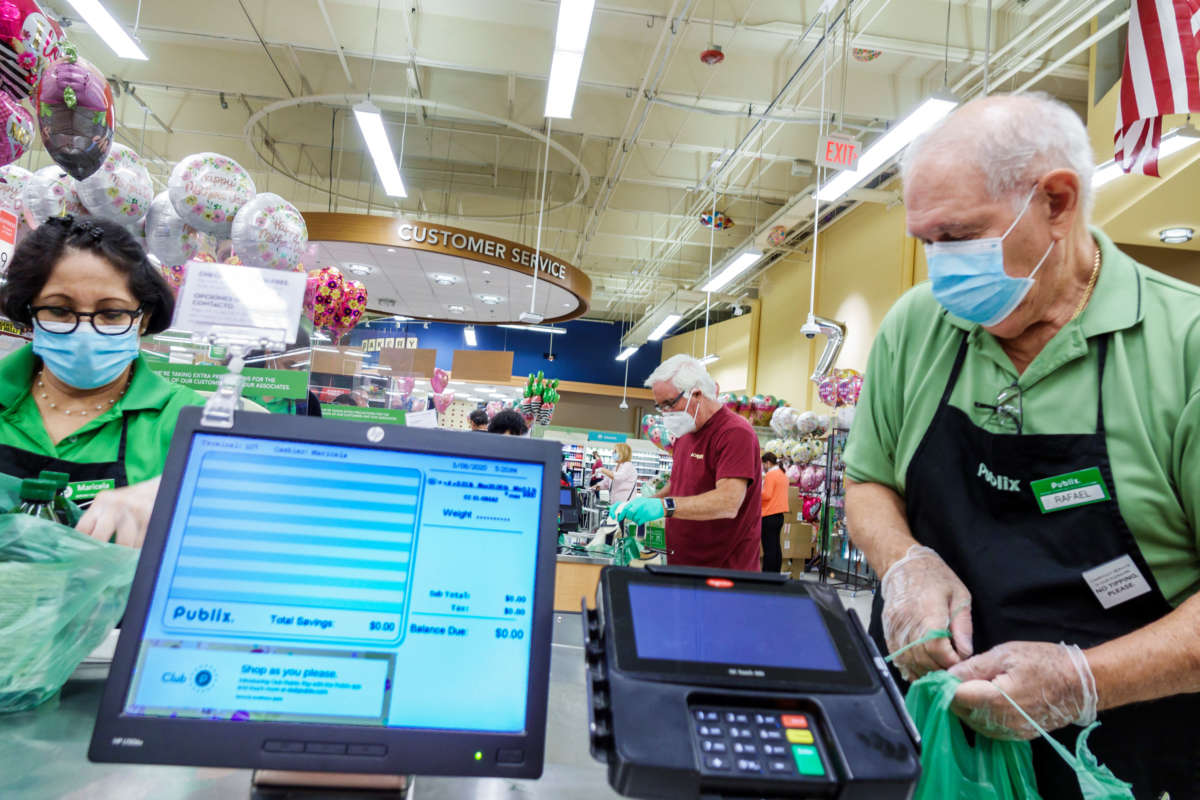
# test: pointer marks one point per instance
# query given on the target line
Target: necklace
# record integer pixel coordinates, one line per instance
(83, 412)
(1087, 293)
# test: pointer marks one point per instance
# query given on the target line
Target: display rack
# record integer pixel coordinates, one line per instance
(839, 562)
(648, 460)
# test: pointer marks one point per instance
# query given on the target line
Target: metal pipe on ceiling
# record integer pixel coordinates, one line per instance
(337, 47)
(1017, 39)
(1084, 16)
(718, 112)
(1113, 25)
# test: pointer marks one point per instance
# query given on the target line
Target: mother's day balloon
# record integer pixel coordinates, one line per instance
(12, 181)
(169, 238)
(75, 114)
(269, 232)
(120, 191)
(208, 190)
(49, 192)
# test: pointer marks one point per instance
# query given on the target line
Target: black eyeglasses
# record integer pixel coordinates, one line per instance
(107, 322)
(664, 407)
(1007, 407)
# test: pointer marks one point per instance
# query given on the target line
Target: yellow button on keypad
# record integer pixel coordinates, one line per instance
(799, 736)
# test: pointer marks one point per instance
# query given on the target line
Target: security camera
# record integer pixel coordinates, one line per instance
(810, 329)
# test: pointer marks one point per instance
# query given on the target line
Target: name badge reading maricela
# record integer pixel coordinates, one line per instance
(1070, 490)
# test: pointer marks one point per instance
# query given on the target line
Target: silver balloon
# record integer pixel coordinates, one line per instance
(170, 238)
(120, 191)
(835, 333)
(269, 232)
(207, 191)
(49, 192)
(12, 181)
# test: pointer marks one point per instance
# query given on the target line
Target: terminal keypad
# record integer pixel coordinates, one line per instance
(764, 744)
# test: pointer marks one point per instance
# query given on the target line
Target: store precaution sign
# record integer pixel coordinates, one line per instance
(283, 384)
(8, 237)
(393, 416)
(605, 436)
(838, 151)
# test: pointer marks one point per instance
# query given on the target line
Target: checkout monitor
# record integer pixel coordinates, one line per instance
(338, 596)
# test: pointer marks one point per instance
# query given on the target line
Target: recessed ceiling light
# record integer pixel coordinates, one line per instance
(487, 272)
(1175, 235)
(490, 299)
(360, 269)
(566, 305)
(442, 279)
(529, 286)
(456, 309)
(391, 249)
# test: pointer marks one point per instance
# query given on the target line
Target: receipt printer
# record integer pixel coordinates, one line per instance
(721, 684)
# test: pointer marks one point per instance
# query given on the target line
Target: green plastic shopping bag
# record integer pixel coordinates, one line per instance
(60, 594)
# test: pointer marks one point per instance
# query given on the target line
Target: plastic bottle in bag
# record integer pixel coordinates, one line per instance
(37, 500)
(60, 481)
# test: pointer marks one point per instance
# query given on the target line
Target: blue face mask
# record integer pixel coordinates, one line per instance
(969, 279)
(84, 358)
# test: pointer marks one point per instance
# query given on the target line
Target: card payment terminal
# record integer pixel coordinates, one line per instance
(714, 683)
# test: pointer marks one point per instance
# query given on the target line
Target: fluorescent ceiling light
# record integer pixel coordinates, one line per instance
(626, 353)
(710, 358)
(1170, 144)
(924, 117)
(490, 299)
(570, 42)
(736, 267)
(108, 29)
(360, 269)
(370, 122)
(469, 335)
(535, 328)
(669, 322)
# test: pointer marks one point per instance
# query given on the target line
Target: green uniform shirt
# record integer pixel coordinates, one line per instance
(153, 405)
(1151, 403)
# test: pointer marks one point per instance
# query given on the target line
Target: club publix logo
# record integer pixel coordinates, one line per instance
(1001, 482)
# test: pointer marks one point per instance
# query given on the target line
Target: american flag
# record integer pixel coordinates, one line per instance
(1160, 77)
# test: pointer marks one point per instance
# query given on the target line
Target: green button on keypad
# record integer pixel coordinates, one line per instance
(808, 760)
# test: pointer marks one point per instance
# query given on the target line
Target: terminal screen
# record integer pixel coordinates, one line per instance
(724, 626)
(565, 498)
(305, 582)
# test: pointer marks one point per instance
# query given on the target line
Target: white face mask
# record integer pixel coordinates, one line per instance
(679, 423)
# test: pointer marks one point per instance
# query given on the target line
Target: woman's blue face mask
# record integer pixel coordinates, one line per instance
(969, 280)
(85, 358)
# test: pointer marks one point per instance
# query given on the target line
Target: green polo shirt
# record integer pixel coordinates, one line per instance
(1151, 398)
(152, 404)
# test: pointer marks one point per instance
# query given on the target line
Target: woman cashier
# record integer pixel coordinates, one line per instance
(80, 399)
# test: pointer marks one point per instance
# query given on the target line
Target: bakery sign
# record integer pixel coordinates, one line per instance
(388, 343)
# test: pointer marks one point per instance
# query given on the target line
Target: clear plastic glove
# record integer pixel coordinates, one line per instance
(1053, 683)
(124, 512)
(922, 594)
(640, 510)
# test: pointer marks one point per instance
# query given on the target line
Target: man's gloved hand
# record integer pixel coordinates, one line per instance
(1053, 683)
(922, 594)
(123, 512)
(640, 510)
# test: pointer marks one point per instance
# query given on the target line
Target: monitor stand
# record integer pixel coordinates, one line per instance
(273, 784)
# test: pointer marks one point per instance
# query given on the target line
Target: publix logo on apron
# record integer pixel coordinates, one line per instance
(1001, 482)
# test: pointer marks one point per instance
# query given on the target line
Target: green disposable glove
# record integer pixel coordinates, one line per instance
(640, 510)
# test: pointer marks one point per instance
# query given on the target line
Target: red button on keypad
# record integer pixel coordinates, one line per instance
(794, 721)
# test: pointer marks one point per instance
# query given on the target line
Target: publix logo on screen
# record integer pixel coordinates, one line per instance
(1001, 482)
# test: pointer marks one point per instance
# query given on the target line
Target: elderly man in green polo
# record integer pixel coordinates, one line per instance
(1022, 467)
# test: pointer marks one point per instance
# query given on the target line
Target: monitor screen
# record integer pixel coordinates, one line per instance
(565, 498)
(724, 626)
(319, 583)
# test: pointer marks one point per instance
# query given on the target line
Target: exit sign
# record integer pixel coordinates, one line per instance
(839, 152)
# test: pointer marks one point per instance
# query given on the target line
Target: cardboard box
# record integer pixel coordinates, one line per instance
(796, 542)
(795, 502)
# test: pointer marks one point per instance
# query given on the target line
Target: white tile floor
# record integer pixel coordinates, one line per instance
(859, 600)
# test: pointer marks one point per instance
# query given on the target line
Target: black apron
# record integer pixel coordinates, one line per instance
(1023, 569)
(27, 464)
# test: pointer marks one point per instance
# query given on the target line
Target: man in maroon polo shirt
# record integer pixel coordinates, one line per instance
(713, 501)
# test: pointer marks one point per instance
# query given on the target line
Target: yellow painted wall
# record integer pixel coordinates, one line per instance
(735, 341)
(865, 262)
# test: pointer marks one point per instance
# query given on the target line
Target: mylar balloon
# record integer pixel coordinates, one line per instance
(208, 190)
(75, 114)
(323, 296)
(443, 401)
(439, 380)
(269, 232)
(138, 230)
(12, 181)
(120, 191)
(33, 39)
(174, 273)
(18, 129)
(169, 238)
(827, 390)
(405, 384)
(49, 192)
(351, 308)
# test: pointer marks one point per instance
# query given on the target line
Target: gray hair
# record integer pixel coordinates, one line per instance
(685, 374)
(1014, 143)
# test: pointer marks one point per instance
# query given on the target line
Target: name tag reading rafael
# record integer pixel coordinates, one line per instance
(1116, 581)
(1070, 490)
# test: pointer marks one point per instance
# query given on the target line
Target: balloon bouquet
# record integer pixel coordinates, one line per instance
(539, 399)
